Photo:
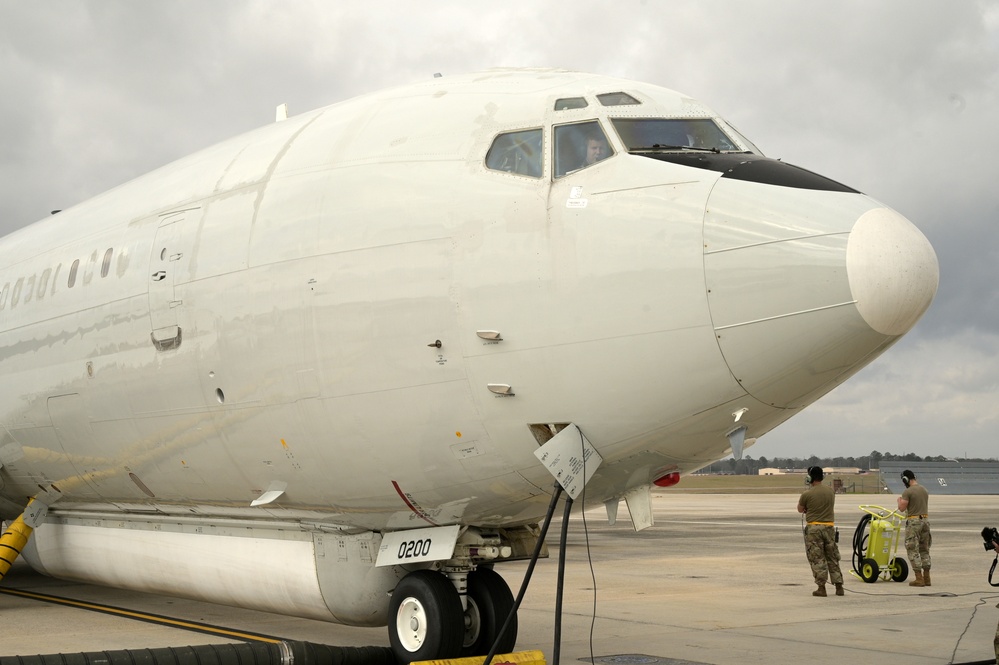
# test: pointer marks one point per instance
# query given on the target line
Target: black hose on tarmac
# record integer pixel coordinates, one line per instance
(257, 653)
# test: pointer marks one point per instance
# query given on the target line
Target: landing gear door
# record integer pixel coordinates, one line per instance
(168, 255)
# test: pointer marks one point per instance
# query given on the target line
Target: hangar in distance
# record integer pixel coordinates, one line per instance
(308, 370)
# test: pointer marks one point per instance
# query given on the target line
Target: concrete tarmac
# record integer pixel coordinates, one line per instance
(718, 579)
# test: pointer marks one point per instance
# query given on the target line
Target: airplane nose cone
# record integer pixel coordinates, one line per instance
(892, 271)
(805, 287)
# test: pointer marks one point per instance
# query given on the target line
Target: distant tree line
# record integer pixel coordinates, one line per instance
(749, 466)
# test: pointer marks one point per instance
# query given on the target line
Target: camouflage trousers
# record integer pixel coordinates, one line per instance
(917, 542)
(996, 641)
(823, 553)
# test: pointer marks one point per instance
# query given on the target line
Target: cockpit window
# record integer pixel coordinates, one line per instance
(670, 134)
(567, 103)
(739, 136)
(617, 99)
(578, 146)
(516, 152)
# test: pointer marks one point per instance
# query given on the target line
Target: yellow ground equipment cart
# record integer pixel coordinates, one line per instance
(875, 543)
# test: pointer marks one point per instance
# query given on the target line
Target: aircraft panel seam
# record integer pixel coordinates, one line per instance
(784, 316)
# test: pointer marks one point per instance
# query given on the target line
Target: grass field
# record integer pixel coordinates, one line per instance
(792, 483)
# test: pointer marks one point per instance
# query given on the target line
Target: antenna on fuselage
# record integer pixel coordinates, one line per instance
(281, 113)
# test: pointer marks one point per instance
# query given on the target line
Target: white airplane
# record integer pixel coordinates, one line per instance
(308, 370)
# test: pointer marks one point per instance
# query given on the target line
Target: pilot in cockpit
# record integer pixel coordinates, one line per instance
(579, 145)
(596, 149)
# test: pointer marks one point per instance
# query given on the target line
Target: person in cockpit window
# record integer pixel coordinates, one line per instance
(596, 149)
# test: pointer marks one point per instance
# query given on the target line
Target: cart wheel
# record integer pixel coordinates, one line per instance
(899, 570)
(869, 570)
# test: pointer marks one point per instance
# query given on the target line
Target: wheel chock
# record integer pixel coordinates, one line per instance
(518, 658)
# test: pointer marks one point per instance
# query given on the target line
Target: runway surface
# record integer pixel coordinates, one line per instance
(718, 579)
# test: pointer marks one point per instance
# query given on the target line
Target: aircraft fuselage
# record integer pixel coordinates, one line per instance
(362, 318)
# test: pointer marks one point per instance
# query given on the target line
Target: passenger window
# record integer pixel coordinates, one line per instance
(516, 152)
(567, 103)
(55, 279)
(106, 266)
(617, 99)
(72, 273)
(3, 295)
(578, 146)
(43, 283)
(15, 295)
(29, 289)
(88, 268)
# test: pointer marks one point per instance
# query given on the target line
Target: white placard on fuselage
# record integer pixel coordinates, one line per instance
(570, 458)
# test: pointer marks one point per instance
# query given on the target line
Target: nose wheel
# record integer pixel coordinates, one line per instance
(427, 622)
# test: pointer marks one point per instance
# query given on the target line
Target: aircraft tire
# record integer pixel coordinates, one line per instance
(426, 621)
(489, 604)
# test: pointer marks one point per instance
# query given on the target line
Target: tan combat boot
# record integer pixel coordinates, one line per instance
(919, 579)
(821, 591)
(926, 577)
(839, 589)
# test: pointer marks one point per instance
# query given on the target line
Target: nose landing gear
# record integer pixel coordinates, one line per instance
(427, 622)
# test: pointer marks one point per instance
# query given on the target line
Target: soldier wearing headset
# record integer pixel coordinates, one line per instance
(915, 500)
(995, 642)
(817, 504)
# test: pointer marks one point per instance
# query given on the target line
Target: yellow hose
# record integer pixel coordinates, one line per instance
(12, 542)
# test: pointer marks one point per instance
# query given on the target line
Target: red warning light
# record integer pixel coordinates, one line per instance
(667, 480)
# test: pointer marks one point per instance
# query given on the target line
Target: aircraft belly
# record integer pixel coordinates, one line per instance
(316, 575)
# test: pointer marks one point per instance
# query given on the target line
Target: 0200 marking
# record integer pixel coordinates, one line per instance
(414, 548)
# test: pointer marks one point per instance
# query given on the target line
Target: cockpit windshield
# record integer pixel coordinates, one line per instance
(674, 134)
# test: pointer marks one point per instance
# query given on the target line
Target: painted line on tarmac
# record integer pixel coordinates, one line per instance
(158, 619)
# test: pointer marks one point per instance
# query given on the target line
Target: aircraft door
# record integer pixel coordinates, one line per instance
(165, 261)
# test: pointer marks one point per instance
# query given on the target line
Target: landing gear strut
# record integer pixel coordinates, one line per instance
(489, 604)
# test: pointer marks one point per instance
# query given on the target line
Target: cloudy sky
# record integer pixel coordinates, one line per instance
(899, 99)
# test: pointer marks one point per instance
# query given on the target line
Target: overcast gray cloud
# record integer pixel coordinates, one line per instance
(898, 99)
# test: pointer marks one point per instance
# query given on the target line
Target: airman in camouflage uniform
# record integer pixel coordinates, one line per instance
(817, 504)
(915, 500)
(995, 642)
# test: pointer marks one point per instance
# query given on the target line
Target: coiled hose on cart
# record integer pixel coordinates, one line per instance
(860, 541)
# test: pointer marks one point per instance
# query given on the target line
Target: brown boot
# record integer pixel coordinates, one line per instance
(919, 579)
(839, 589)
(926, 577)
(821, 591)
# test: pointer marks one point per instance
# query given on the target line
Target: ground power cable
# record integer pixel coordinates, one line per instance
(560, 583)
(527, 574)
(589, 554)
(986, 596)
(981, 603)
